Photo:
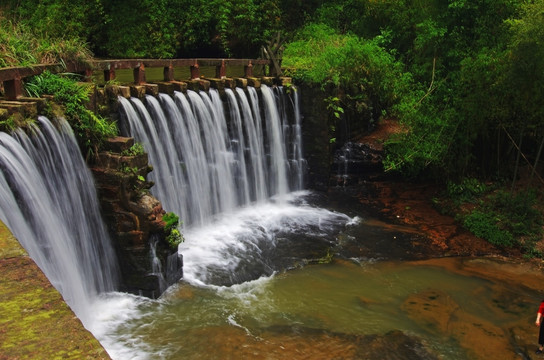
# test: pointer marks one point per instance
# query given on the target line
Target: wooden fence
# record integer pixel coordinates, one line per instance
(13, 77)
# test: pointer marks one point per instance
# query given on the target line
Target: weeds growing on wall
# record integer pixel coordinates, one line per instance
(172, 223)
(90, 129)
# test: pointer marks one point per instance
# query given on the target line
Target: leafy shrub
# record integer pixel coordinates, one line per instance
(518, 212)
(506, 219)
(362, 81)
(467, 190)
(90, 129)
(319, 55)
(485, 225)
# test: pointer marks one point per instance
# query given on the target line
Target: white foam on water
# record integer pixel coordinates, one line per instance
(245, 232)
(113, 312)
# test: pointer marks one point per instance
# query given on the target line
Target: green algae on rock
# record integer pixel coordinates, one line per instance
(35, 321)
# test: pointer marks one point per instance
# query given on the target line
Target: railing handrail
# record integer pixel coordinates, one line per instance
(12, 77)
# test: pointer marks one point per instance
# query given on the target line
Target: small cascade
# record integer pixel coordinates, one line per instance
(156, 268)
(48, 200)
(277, 179)
(356, 162)
(207, 163)
(341, 160)
(297, 161)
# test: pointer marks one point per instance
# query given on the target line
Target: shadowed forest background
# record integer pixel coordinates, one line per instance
(462, 79)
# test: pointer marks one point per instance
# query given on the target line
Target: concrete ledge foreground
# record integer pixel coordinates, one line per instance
(35, 322)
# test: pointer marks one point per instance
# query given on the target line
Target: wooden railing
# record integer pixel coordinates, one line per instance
(12, 77)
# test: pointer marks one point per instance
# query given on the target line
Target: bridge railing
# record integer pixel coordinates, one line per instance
(13, 77)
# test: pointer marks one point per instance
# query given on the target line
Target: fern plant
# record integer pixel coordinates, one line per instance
(91, 129)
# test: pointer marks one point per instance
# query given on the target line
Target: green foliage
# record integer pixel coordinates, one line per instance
(21, 46)
(173, 237)
(506, 219)
(486, 226)
(130, 170)
(167, 28)
(13, 122)
(90, 129)
(134, 150)
(319, 55)
(333, 105)
(518, 213)
(171, 220)
(466, 191)
(361, 80)
(9, 124)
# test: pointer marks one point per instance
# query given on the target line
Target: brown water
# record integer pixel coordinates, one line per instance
(450, 308)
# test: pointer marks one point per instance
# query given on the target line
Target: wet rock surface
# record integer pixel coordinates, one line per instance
(512, 335)
(134, 219)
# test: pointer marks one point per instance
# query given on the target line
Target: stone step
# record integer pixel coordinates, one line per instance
(25, 108)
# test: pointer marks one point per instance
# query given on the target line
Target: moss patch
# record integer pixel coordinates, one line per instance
(35, 322)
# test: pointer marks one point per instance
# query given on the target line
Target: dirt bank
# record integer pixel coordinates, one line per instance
(411, 204)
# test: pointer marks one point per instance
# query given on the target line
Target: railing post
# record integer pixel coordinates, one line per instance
(195, 71)
(248, 70)
(169, 73)
(221, 70)
(109, 74)
(139, 74)
(13, 88)
(88, 75)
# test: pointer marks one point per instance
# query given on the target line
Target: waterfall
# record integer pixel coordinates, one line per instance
(212, 156)
(48, 201)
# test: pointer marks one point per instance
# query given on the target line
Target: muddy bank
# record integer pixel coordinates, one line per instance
(35, 322)
(411, 205)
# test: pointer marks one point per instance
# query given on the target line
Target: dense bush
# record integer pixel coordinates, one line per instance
(358, 76)
(21, 46)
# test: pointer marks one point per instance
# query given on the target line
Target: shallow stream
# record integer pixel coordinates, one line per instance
(260, 284)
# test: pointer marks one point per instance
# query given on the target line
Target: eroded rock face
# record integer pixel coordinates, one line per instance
(355, 162)
(135, 219)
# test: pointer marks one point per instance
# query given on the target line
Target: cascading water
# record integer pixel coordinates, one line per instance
(231, 166)
(202, 166)
(48, 200)
(236, 172)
